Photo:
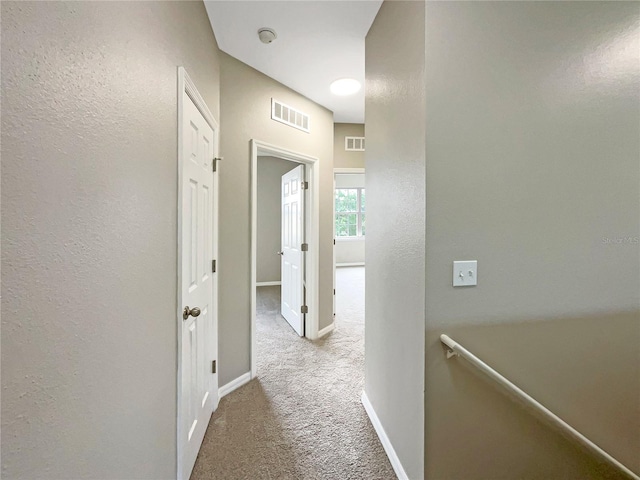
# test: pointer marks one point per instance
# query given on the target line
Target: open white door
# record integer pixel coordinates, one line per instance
(292, 239)
(198, 323)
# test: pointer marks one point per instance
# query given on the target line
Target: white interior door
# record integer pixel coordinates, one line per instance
(292, 239)
(198, 392)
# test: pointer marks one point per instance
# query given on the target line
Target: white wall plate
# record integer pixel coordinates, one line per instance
(465, 273)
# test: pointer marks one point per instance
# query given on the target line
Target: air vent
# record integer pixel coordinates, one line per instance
(354, 144)
(289, 116)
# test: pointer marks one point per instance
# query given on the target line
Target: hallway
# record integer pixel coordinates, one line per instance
(302, 417)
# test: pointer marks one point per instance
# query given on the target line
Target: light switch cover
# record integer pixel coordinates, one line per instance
(465, 273)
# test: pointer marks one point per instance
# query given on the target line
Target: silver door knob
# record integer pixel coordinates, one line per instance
(194, 312)
(280, 253)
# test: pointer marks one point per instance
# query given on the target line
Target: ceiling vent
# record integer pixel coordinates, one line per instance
(354, 144)
(289, 116)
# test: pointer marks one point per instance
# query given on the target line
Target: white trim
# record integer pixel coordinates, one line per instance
(382, 435)
(312, 263)
(354, 264)
(234, 384)
(333, 247)
(186, 86)
(326, 330)
(268, 284)
(348, 170)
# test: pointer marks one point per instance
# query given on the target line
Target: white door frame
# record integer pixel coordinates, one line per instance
(312, 260)
(187, 87)
(338, 171)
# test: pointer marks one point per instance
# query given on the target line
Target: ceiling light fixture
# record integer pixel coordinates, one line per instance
(267, 35)
(345, 86)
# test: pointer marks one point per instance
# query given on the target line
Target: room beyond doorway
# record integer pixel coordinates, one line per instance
(350, 295)
(311, 236)
(349, 215)
(281, 234)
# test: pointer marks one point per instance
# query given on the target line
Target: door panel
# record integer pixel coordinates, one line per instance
(292, 256)
(197, 290)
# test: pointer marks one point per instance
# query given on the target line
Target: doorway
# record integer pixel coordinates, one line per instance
(270, 258)
(349, 250)
(280, 236)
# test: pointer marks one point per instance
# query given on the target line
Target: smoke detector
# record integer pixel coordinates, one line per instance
(267, 35)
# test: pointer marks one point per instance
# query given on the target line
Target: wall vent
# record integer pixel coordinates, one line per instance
(289, 116)
(354, 144)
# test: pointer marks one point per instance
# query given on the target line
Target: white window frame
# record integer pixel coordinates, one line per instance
(358, 214)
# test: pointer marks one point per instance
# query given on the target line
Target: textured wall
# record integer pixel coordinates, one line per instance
(89, 202)
(395, 157)
(533, 114)
(246, 114)
(270, 171)
(342, 158)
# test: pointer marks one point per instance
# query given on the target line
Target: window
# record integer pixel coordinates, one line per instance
(350, 212)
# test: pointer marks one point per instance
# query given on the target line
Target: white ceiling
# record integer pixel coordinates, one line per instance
(318, 42)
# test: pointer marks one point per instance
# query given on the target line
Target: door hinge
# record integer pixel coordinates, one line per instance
(213, 366)
(304, 247)
(214, 163)
(305, 185)
(213, 266)
(304, 309)
(334, 241)
(334, 291)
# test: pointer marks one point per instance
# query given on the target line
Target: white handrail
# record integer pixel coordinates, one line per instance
(458, 350)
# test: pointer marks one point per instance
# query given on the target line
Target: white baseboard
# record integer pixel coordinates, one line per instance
(386, 443)
(355, 264)
(326, 330)
(234, 384)
(268, 284)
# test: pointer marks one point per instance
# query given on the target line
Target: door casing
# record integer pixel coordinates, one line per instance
(312, 255)
(188, 88)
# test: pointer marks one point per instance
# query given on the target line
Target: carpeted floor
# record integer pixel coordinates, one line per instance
(350, 295)
(302, 417)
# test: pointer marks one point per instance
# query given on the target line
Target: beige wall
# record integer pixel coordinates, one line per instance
(89, 218)
(394, 354)
(533, 113)
(342, 158)
(246, 114)
(532, 116)
(269, 237)
(349, 252)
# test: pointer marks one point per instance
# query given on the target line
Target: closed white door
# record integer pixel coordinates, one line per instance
(198, 319)
(292, 239)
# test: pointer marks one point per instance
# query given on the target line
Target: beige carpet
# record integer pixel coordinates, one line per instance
(302, 417)
(350, 294)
